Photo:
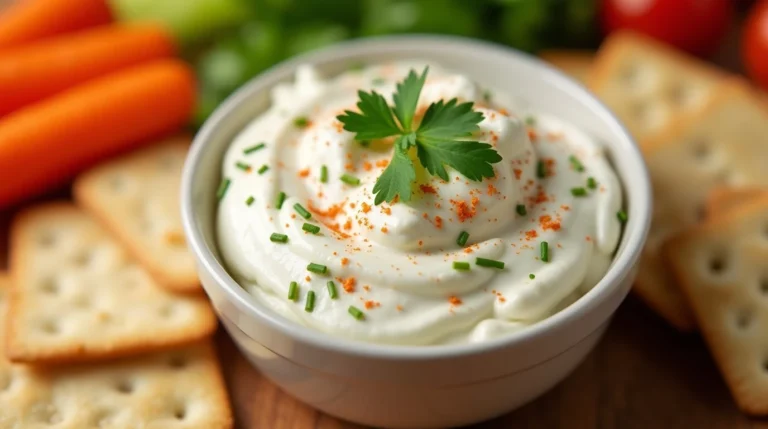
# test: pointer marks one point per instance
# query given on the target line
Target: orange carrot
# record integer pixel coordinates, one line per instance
(38, 70)
(29, 20)
(44, 145)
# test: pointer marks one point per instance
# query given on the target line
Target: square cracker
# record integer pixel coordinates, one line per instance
(180, 389)
(77, 296)
(574, 63)
(137, 198)
(722, 267)
(723, 199)
(649, 85)
(724, 144)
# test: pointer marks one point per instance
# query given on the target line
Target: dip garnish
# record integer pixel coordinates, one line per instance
(463, 237)
(490, 263)
(436, 141)
(461, 266)
(531, 276)
(263, 169)
(310, 305)
(332, 289)
(223, 188)
(576, 164)
(250, 200)
(302, 211)
(278, 238)
(591, 183)
(545, 251)
(356, 313)
(521, 209)
(293, 291)
(350, 179)
(317, 268)
(579, 192)
(250, 150)
(541, 170)
(312, 229)
(243, 166)
(323, 174)
(280, 200)
(622, 215)
(301, 122)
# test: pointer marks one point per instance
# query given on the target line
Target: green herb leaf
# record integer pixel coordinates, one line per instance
(472, 159)
(396, 178)
(375, 120)
(407, 98)
(448, 121)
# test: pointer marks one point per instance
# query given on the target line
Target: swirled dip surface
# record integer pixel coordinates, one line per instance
(394, 261)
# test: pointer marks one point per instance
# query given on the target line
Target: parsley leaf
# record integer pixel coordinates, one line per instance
(406, 98)
(397, 177)
(438, 139)
(375, 120)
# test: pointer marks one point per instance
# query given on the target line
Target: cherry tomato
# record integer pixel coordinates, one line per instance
(754, 43)
(696, 26)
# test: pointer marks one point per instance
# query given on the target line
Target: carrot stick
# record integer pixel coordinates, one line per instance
(44, 145)
(28, 20)
(38, 70)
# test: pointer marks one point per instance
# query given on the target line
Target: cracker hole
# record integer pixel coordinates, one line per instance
(83, 258)
(682, 95)
(701, 150)
(46, 239)
(166, 162)
(46, 413)
(117, 183)
(49, 286)
(180, 412)
(763, 286)
(765, 365)
(717, 264)
(103, 418)
(81, 302)
(743, 320)
(125, 387)
(166, 311)
(177, 362)
(6, 378)
(50, 327)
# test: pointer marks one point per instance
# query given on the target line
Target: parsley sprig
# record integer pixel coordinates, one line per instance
(437, 139)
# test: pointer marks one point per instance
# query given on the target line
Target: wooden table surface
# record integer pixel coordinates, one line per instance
(642, 375)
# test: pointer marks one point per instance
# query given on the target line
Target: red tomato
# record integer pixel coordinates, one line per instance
(696, 26)
(754, 44)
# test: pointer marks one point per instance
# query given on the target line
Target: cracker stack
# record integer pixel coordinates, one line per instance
(104, 325)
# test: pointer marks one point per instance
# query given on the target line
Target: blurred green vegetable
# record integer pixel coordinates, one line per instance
(422, 16)
(188, 20)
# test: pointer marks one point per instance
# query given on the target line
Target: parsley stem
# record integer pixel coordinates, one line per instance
(332, 289)
(312, 229)
(293, 291)
(317, 268)
(310, 305)
(278, 238)
(350, 179)
(461, 266)
(302, 211)
(490, 263)
(356, 313)
(463, 237)
(544, 249)
(252, 149)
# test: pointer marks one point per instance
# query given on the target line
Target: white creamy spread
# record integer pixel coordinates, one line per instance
(393, 262)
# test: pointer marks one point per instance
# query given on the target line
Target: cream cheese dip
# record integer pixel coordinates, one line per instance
(385, 273)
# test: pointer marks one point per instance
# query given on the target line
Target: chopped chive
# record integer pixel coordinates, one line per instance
(301, 122)
(317, 268)
(263, 169)
(531, 276)
(280, 200)
(350, 179)
(378, 81)
(332, 289)
(252, 149)
(541, 170)
(364, 143)
(461, 266)
(530, 120)
(323, 174)
(578, 192)
(302, 211)
(487, 96)
(357, 67)
(622, 215)
(521, 210)
(312, 229)
(463, 237)
(356, 313)
(243, 166)
(577, 165)
(591, 183)
(278, 238)
(544, 251)
(310, 305)
(250, 200)
(223, 188)
(293, 291)
(491, 263)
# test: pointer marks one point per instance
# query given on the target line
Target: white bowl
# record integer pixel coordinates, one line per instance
(429, 386)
